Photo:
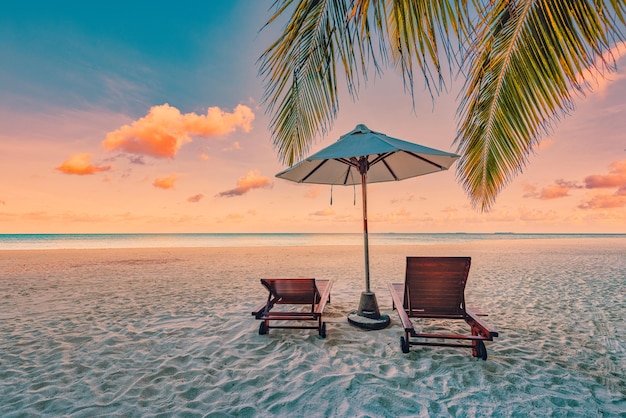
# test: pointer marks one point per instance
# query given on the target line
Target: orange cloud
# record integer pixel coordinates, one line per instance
(164, 130)
(166, 182)
(232, 217)
(313, 192)
(252, 180)
(409, 198)
(400, 214)
(553, 191)
(324, 212)
(615, 178)
(195, 198)
(79, 164)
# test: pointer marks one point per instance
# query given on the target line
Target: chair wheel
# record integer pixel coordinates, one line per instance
(404, 345)
(482, 350)
(323, 330)
(262, 329)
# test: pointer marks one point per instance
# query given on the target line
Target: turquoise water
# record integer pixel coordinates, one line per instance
(94, 241)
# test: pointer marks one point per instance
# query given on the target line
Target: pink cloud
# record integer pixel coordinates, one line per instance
(602, 73)
(252, 180)
(605, 201)
(560, 188)
(537, 215)
(553, 191)
(195, 198)
(80, 164)
(164, 130)
(400, 214)
(615, 178)
(165, 182)
(235, 146)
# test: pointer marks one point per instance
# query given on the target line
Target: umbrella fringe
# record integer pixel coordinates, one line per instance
(353, 190)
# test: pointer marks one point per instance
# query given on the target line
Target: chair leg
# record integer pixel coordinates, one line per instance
(482, 350)
(404, 343)
(323, 330)
(475, 347)
(478, 346)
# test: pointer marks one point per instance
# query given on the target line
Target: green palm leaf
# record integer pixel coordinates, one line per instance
(300, 73)
(525, 69)
(299, 69)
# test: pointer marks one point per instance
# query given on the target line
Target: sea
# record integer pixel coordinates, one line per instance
(182, 240)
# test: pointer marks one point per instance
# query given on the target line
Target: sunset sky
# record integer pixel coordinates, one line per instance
(147, 117)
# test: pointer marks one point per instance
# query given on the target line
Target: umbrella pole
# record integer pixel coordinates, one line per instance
(366, 245)
(368, 316)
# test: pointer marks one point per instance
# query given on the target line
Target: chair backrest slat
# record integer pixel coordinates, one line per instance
(298, 290)
(435, 286)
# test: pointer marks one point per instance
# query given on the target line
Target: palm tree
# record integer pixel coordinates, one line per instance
(524, 62)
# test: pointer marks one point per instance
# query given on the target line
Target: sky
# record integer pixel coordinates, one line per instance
(133, 117)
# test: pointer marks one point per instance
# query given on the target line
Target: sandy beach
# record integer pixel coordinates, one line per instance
(168, 332)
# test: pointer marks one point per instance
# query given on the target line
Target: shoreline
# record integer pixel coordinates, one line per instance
(14, 242)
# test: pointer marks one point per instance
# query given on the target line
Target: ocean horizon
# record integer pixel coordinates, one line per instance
(194, 240)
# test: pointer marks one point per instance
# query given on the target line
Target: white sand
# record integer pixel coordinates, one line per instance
(146, 332)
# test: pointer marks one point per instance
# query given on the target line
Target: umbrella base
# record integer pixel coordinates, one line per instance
(368, 316)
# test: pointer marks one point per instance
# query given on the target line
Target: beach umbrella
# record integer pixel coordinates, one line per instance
(364, 156)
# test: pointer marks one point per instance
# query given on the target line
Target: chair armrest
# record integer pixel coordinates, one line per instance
(485, 328)
(259, 310)
(398, 300)
(323, 286)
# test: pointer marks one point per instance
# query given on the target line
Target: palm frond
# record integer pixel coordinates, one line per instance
(525, 70)
(423, 36)
(300, 68)
(300, 73)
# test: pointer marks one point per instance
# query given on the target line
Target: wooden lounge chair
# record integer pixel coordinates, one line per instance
(315, 293)
(435, 288)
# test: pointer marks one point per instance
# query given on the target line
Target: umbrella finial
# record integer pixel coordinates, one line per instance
(362, 128)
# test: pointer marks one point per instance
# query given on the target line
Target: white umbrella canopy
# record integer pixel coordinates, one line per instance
(389, 159)
(365, 156)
